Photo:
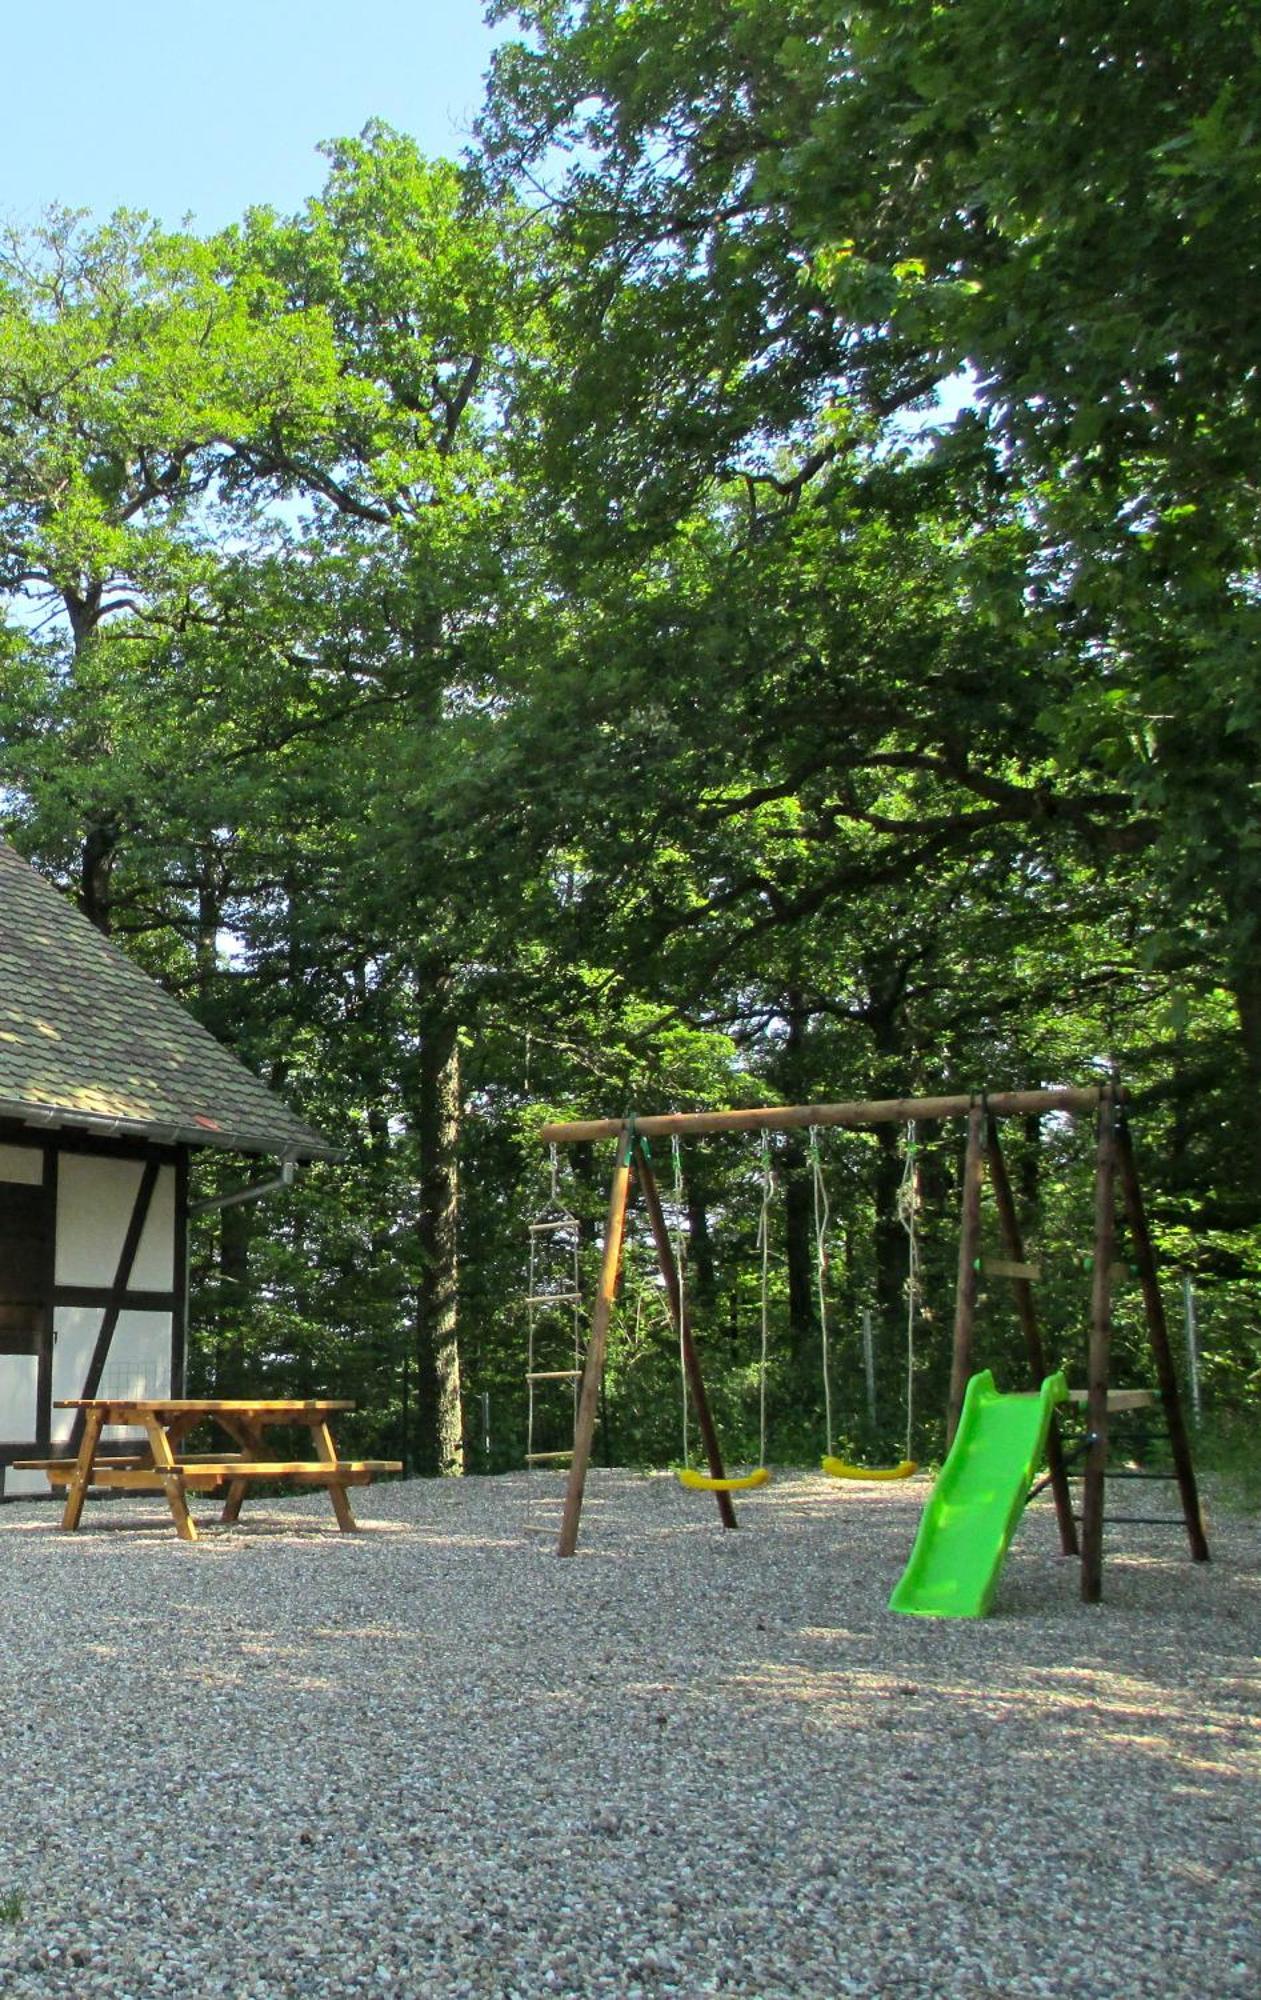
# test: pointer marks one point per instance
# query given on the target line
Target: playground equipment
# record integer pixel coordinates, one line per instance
(553, 1319)
(977, 1501)
(1114, 1163)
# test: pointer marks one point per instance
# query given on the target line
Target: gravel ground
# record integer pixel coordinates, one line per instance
(432, 1760)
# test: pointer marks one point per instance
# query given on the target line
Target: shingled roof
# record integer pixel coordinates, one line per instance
(89, 1040)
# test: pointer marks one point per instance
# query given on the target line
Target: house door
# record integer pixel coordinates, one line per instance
(26, 1282)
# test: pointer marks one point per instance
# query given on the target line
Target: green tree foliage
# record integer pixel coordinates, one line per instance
(856, 206)
(501, 658)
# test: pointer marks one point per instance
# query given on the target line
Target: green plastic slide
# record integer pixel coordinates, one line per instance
(971, 1514)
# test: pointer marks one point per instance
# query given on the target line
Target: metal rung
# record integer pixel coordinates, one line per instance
(554, 1375)
(1126, 1472)
(539, 1457)
(1142, 1520)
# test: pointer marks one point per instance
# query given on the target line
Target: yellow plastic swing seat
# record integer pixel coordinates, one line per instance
(837, 1468)
(704, 1482)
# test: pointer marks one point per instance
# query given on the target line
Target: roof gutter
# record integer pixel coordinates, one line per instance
(102, 1125)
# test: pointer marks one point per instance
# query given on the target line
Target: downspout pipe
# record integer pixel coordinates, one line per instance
(254, 1192)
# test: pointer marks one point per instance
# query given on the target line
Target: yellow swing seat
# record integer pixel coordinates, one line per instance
(704, 1482)
(837, 1468)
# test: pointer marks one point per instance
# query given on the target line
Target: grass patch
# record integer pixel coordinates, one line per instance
(1228, 1449)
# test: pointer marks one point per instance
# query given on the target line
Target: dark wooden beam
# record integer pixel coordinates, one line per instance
(1099, 1357)
(1158, 1334)
(1009, 1223)
(683, 1331)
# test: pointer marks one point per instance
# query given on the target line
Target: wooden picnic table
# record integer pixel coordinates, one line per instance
(160, 1464)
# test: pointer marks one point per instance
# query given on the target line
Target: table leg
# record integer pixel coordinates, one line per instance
(77, 1491)
(172, 1479)
(326, 1450)
(250, 1438)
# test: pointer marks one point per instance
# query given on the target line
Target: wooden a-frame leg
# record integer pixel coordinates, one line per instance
(1158, 1335)
(250, 1438)
(683, 1331)
(76, 1492)
(172, 1479)
(1013, 1242)
(1100, 1353)
(327, 1452)
(593, 1368)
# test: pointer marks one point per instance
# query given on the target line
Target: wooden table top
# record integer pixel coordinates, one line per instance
(208, 1406)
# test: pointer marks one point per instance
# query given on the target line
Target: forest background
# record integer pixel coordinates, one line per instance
(742, 588)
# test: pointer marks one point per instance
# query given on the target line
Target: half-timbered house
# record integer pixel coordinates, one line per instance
(106, 1085)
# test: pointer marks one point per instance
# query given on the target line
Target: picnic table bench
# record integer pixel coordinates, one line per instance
(159, 1464)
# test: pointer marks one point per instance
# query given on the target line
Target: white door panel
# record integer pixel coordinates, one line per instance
(138, 1362)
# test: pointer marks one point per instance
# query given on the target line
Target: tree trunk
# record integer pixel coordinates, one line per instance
(798, 1190)
(96, 865)
(440, 1425)
(1246, 987)
(1031, 1172)
(800, 1255)
(702, 1277)
(890, 1235)
(232, 1363)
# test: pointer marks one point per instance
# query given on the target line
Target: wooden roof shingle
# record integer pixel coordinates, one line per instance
(89, 1040)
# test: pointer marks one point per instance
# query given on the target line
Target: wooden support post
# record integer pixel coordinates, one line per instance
(682, 1328)
(77, 1491)
(1158, 1334)
(969, 1254)
(589, 1395)
(1009, 1223)
(1100, 1349)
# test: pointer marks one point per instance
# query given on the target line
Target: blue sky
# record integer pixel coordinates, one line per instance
(180, 107)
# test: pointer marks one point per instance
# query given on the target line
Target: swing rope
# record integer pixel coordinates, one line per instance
(822, 1220)
(680, 1249)
(839, 1468)
(764, 1244)
(703, 1482)
(908, 1208)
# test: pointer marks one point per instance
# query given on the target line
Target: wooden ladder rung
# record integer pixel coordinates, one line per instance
(554, 1375)
(541, 1457)
(554, 1298)
(1007, 1267)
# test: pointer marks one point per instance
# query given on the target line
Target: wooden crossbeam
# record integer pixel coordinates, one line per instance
(800, 1117)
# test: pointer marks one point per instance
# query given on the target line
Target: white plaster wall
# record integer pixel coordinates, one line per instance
(95, 1197)
(18, 1483)
(22, 1163)
(19, 1382)
(138, 1362)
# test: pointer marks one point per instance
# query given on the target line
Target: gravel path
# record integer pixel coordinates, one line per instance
(433, 1761)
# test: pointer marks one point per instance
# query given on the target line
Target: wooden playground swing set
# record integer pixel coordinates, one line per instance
(1114, 1162)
